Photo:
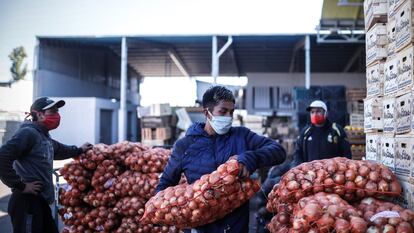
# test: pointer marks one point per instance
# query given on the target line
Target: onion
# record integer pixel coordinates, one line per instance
(358, 225)
(339, 179)
(312, 212)
(292, 185)
(325, 223)
(363, 171)
(383, 186)
(342, 226)
(404, 227)
(360, 182)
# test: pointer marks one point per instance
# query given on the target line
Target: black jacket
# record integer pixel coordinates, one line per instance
(324, 142)
(28, 156)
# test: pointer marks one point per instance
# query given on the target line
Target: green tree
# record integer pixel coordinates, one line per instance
(18, 70)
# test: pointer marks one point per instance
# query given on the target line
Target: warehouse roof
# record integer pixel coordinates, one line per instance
(153, 55)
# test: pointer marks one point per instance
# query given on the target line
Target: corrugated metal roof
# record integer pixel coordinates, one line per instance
(149, 55)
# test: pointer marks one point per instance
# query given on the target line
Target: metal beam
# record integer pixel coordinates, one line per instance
(300, 44)
(215, 56)
(352, 60)
(307, 62)
(178, 62)
(122, 114)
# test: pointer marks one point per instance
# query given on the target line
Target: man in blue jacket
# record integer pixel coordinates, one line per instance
(208, 145)
(26, 166)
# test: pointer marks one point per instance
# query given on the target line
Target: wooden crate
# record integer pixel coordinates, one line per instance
(391, 28)
(389, 113)
(163, 133)
(375, 79)
(404, 113)
(355, 94)
(391, 75)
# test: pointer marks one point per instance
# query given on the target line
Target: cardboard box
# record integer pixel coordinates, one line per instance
(404, 155)
(404, 26)
(404, 113)
(373, 114)
(389, 114)
(156, 122)
(156, 133)
(375, 79)
(388, 148)
(160, 110)
(373, 147)
(391, 37)
(412, 115)
(405, 71)
(391, 10)
(154, 110)
(375, 11)
(376, 41)
(151, 143)
(397, 4)
(391, 75)
(356, 120)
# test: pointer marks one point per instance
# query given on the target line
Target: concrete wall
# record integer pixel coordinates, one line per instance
(80, 120)
(290, 80)
(71, 71)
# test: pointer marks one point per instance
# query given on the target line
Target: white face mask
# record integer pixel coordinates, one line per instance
(220, 124)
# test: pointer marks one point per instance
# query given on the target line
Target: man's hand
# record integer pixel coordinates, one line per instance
(33, 187)
(86, 146)
(243, 172)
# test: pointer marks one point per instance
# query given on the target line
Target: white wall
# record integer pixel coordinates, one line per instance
(80, 120)
(17, 98)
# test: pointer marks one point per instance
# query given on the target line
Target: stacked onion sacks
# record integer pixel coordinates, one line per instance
(210, 198)
(321, 212)
(104, 189)
(383, 216)
(350, 180)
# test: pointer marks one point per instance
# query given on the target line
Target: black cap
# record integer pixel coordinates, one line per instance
(45, 103)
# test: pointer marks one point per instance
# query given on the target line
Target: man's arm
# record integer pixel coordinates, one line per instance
(17, 147)
(63, 151)
(172, 172)
(262, 152)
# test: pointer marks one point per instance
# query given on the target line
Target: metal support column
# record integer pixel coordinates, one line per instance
(215, 56)
(122, 115)
(307, 62)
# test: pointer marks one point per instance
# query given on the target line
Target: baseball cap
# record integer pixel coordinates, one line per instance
(317, 104)
(45, 103)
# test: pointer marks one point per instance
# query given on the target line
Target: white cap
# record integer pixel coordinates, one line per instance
(317, 104)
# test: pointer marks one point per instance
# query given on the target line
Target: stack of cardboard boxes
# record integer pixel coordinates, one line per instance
(157, 125)
(388, 108)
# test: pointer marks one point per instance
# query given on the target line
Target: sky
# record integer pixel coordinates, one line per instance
(22, 20)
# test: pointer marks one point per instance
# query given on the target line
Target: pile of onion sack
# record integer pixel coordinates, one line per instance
(108, 186)
(329, 195)
(210, 198)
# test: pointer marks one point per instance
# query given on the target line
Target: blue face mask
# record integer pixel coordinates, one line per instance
(220, 124)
